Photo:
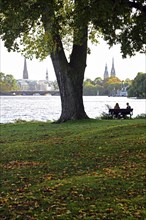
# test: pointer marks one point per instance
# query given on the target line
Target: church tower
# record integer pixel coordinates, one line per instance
(113, 72)
(25, 71)
(106, 75)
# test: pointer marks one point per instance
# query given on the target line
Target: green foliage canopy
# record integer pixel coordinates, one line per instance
(23, 24)
(123, 22)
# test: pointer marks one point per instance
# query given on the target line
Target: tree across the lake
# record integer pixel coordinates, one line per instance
(7, 83)
(44, 27)
(138, 86)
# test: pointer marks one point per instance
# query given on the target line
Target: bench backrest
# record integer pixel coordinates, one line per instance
(121, 110)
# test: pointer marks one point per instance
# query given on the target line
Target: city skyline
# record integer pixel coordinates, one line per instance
(13, 63)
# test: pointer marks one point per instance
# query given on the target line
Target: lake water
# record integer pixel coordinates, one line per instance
(44, 108)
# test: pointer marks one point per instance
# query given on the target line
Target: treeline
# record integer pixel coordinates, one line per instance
(7, 83)
(104, 87)
(108, 87)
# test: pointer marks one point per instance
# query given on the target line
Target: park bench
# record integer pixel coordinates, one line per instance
(120, 113)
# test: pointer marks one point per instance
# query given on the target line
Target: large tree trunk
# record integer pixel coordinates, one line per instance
(70, 75)
(70, 78)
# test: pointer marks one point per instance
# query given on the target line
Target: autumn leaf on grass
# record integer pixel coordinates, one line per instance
(49, 176)
(110, 172)
(18, 164)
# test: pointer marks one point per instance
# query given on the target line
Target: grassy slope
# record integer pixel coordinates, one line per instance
(79, 170)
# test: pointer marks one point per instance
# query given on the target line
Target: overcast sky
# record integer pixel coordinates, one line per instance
(13, 63)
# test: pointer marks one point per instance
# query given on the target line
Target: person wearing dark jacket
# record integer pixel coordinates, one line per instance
(128, 106)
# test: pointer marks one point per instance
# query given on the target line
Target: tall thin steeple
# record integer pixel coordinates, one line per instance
(25, 71)
(106, 75)
(113, 72)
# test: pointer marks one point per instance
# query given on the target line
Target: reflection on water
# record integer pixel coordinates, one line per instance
(44, 108)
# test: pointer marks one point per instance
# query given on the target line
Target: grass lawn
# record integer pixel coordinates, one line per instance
(92, 169)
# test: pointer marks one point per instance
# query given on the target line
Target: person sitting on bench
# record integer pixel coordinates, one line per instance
(128, 106)
(116, 107)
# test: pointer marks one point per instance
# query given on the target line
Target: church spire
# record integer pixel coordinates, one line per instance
(25, 71)
(113, 72)
(106, 75)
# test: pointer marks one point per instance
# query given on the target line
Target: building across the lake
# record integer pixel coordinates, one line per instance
(26, 84)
